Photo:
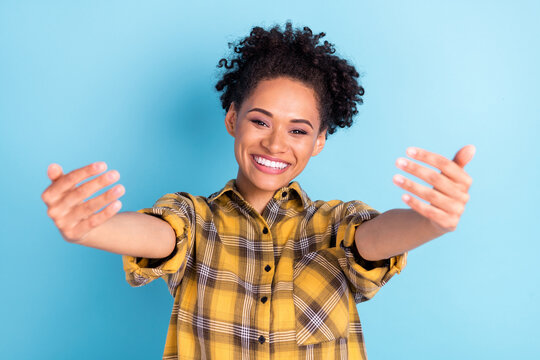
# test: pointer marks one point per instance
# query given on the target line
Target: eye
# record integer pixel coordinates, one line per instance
(258, 122)
(299, 132)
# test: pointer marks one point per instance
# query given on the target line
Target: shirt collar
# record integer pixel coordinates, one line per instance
(289, 192)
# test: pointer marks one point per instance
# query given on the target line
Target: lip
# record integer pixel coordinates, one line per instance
(268, 170)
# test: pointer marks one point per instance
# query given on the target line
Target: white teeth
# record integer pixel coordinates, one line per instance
(268, 163)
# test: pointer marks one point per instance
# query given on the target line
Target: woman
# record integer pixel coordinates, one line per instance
(258, 269)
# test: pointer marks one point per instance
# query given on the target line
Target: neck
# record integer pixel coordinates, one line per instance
(256, 197)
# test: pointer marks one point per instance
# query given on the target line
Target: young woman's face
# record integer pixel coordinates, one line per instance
(276, 132)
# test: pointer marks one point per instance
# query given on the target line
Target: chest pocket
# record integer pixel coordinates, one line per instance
(321, 298)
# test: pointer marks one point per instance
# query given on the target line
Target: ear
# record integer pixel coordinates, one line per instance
(319, 143)
(230, 120)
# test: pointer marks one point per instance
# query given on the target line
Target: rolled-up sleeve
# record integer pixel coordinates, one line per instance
(177, 210)
(366, 277)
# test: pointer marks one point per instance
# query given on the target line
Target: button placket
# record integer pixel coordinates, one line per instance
(267, 268)
(262, 339)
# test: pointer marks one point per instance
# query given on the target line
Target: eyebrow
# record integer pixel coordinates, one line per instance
(268, 113)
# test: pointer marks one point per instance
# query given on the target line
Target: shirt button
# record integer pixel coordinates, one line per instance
(267, 268)
(262, 339)
(283, 194)
(265, 231)
(263, 299)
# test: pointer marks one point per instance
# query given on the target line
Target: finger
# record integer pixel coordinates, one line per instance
(430, 212)
(54, 171)
(439, 181)
(77, 195)
(66, 182)
(95, 220)
(434, 197)
(88, 208)
(449, 168)
(464, 155)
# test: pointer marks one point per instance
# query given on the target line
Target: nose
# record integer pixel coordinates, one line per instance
(275, 142)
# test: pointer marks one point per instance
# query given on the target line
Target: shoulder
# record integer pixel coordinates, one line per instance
(183, 202)
(198, 203)
(341, 208)
(334, 207)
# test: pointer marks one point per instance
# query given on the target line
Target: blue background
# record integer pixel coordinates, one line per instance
(131, 83)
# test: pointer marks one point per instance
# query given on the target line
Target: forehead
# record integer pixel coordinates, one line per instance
(284, 97)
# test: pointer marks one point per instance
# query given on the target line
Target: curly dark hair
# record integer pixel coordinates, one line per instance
(297, 54)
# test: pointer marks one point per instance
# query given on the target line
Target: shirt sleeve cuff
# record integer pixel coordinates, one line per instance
(140, 271)
(368, 276)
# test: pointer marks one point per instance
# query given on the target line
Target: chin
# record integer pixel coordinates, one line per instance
(271, 184)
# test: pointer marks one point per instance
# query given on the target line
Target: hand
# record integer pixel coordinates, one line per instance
(64, 199)
(449, 194)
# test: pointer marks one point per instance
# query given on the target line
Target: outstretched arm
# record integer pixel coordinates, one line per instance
(81, 222)
(400, 230)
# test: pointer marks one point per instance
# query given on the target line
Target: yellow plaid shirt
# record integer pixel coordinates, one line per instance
(283, 284)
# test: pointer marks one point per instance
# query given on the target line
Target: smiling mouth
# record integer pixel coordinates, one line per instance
(276, 165)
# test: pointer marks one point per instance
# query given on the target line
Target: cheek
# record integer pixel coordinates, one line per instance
(237, 149)
(241, 143)
(303, 151)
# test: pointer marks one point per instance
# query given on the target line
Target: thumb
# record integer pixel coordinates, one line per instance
(54, 171)
(464, 155)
